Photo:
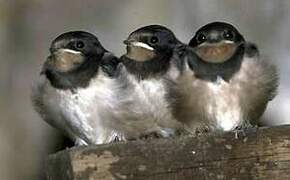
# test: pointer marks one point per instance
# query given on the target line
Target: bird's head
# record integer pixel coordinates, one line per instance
(216, 42)
(149, 42)
(71, 50)
(150, 49)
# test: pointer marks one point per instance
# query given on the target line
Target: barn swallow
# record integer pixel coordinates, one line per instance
(75, 88)
(227, 85)
(150, 67)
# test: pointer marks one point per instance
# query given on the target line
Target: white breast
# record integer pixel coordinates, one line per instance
(81, 112)
(226, 105)
(149, 109)
(223, 105)
(150, 95)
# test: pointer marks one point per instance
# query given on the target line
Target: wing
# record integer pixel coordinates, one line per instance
(109, 64)
(259, 79)
(44, 101)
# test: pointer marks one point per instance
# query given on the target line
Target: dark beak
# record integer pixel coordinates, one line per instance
(126, 42)
(52, 50)
(129, 41)
(214, 38)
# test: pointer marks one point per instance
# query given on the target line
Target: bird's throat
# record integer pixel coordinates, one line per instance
(139, 54)
(217, 52)
(64, 61)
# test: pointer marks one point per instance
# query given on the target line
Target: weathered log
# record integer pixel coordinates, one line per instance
(262, 153)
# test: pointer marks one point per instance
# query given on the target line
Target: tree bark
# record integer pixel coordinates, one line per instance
(262, 153)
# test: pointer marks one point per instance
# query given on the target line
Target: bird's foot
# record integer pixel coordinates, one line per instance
(119, 139)
(150, 136)
(238, 132)
(241, 130)
(80, 142)
(203, 130)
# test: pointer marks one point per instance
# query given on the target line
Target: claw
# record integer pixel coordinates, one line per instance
(238, 131)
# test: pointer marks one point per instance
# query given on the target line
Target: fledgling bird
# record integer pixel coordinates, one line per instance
(76, 88)
(149, 68)
(227, 85)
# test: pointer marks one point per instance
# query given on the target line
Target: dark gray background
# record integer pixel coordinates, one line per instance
(28, 26)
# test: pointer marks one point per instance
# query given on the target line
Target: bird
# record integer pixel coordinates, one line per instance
(75, 88)
(153, 61)
(226, 85)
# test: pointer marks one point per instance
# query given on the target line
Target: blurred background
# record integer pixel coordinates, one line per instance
(28, 26)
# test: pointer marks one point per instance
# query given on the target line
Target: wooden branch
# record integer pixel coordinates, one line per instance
(258, 154)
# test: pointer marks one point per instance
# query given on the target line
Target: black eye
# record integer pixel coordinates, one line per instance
(229, 35)
(80, 44)
(154, 40)
(201, 38)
